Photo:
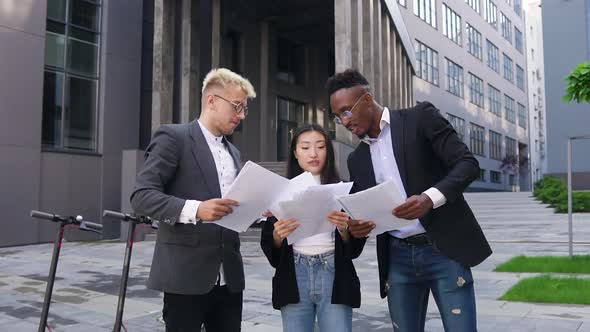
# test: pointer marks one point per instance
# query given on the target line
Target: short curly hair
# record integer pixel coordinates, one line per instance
(344, 80)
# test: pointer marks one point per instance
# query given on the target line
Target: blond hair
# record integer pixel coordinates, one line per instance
(224, 77)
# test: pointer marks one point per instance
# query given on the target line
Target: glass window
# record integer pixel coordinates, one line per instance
(427, 62)
(495, 177)
(476, 94)
(491, 13)
(454, 78)
(522, 115)
(291, 62)
(451, 24)
(426, 10)
(85, 14)
(493, 56)
(474, 42)
(518, 7)
(56, 10)
(55, 47)
(510, 146)
(52, 108)
(518, 39)
(70, 87)
(494, 100)
(458, 124)
(473, 4)
(495, 145)
(80, 114)
(510, 111)
(82, 58)
(506, 28)
(520, 77)
(508, 71)
(476, 139)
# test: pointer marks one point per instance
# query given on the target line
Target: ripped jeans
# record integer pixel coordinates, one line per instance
(414, 271)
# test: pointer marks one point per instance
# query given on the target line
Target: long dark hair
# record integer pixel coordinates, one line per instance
(329, 173)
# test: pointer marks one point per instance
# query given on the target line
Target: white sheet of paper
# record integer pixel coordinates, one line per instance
(375, 204)
(295, 186)
(253, 199)
(311, 207)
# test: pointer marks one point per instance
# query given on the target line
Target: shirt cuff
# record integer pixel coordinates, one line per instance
(437, 198)
(188, 215)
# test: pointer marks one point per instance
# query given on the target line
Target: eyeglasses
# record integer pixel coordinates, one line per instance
(238, 107)
(338, 119)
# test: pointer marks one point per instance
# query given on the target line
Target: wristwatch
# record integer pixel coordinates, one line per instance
(343, 229)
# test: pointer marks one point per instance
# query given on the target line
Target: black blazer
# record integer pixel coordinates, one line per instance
(346, 288)
(428, 153)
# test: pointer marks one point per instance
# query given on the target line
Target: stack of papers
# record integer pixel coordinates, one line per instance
(258, 189)
(376, 205)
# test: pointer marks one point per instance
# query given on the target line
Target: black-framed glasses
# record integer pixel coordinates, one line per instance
(238, 107)
(338, 118)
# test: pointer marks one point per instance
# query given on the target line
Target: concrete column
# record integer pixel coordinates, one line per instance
(342, 34)
(356, 23)
(216, 34)
(403, 83)
(399, 73)
(368, 41)
(386, 60)
(394, 67)
(377, 51)
(189, 102)
(263, 92)
(163, 63)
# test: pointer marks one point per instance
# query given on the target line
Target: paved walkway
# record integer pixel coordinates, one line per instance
(85, 296)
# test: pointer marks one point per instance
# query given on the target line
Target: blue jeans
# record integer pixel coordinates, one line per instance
(315, 278)
(414, 271)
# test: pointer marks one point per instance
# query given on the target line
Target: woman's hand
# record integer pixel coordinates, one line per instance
(338, 219)
(282, 229)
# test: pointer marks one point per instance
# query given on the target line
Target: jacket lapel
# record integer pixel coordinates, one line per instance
(365, 165)
(204, 158)
(235, 154)
(398, 142)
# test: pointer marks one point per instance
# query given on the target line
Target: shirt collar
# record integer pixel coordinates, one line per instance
(211, 139)
(385, 121)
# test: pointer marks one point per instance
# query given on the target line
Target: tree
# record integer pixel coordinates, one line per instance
(578, 84)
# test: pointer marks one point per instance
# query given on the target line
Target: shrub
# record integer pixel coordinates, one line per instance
(553, 191)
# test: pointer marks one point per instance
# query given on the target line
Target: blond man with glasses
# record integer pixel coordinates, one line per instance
(188, 168)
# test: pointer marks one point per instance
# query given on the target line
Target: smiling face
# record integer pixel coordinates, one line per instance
(310, 152)
(222, 103)
(354, 102)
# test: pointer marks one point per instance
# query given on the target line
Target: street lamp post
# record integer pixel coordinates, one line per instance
(569, 192)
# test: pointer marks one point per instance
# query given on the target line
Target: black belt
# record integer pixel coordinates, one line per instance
(417, 240)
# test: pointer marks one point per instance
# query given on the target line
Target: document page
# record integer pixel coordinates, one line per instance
(255, 188)
(311, 207)
(375, 204)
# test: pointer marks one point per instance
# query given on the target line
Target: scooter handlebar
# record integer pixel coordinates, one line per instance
(43, 215)
(116, 215)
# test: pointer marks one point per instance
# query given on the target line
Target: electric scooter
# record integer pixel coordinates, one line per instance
(75, 222)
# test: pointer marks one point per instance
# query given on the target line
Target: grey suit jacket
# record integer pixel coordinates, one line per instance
(179, 166)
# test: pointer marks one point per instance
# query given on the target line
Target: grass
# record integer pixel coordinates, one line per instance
(546, 264)
(547, 289)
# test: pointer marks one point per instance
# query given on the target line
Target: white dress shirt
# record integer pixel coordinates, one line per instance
(226, 173)
(385, 168)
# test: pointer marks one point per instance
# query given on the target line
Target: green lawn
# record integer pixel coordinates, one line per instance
(546, 264)
(547, 289)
